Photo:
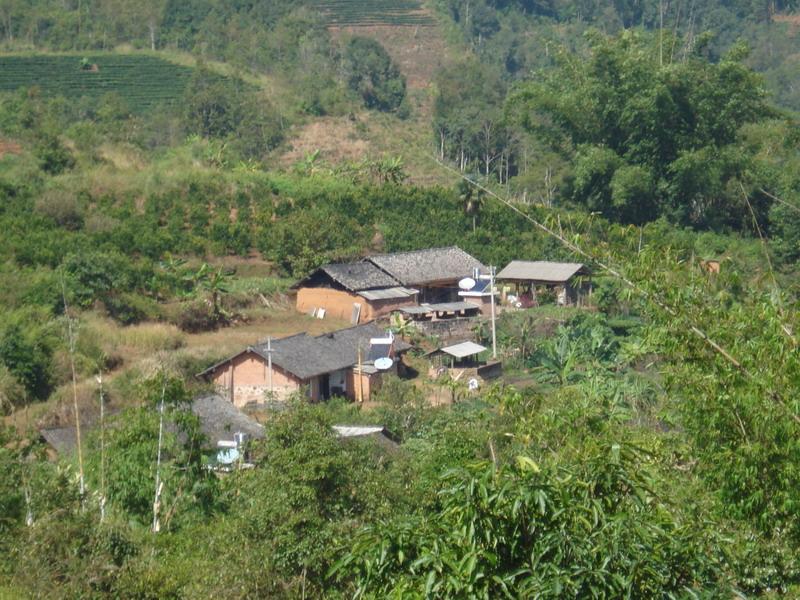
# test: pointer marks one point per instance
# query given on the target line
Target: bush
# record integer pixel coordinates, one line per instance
(129, 308)
(196, 317)
(62, 207)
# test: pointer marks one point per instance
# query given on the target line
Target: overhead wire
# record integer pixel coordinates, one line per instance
(605, 267)
(694, 329)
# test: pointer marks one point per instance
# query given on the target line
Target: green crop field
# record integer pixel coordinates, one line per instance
(143, 81)
(373, 12)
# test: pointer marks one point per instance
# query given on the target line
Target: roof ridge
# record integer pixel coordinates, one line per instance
(329, 333)
(288, 337)
(412, 251)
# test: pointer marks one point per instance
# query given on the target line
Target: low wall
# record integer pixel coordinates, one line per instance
(447, 328)
(491, 370)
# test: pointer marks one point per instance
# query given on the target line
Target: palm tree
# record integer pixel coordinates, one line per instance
(472, 198)
(216, 283)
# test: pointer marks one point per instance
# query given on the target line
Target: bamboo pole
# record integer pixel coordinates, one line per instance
(159, 483)
(76, 411)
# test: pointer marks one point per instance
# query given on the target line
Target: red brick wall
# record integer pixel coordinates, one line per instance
(245, 378)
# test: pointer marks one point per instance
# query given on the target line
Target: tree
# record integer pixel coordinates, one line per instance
(649, 138)
(215, 282)
(468, 117)
(28, 360)
(370, 72)
(472, 198)
(591, 529)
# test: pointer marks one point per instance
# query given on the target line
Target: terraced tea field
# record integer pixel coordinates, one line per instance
(143, 81)
(373, 12)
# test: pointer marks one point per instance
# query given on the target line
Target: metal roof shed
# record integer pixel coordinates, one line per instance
(540, 271)
(464, 349)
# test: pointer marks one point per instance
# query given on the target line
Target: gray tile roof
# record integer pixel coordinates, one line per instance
(220, 419)
(307, 356)
(354, 277)
(541, 271)
(427, 266)
(63, 440)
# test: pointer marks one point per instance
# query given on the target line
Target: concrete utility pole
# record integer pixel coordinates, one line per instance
(492, 271)
(490, 279)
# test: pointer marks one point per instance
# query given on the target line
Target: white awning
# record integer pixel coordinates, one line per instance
(347, 431)
(464, 349)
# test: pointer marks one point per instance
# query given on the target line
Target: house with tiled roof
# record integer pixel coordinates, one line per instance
(378, 285)
(355, 292)
(348, 363)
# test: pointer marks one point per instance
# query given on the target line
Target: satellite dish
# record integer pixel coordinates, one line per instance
(467, 283)
(384, 363)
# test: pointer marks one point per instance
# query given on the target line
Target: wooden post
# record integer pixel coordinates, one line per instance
(159, 483)
(102, 450)
(360, 378)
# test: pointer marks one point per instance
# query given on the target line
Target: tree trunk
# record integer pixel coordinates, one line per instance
(152, 28)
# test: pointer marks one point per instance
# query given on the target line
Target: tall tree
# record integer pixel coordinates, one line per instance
(649, 139)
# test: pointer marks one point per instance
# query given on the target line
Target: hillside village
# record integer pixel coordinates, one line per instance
(399, 299)
(453, 296)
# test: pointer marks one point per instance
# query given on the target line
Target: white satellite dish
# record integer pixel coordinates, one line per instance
(467, 283)
(384, 363)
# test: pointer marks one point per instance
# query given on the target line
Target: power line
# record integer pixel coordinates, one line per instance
(699, 333)
(784, 202)
(607, 268)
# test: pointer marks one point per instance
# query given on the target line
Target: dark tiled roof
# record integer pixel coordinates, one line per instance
(306, 356)
(220, 419)
(360, 276)
(64, 440)
(354, 277)
(427, 266)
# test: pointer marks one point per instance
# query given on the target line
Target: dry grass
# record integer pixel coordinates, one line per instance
(335, 138)
(279, 323)
(132, 342)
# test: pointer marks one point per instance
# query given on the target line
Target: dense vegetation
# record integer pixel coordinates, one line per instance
(642, 446)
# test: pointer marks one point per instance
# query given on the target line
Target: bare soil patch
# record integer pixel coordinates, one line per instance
(9, 147)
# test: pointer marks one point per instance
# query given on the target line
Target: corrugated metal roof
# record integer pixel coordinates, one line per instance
(541, 271)
(388, 293)
(427, 266)
(464, 349)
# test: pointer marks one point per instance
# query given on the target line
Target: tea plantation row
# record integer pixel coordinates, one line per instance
(143, 81)
(374, 12)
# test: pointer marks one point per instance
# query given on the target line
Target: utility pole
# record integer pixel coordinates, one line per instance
(102, 450)
(492, 271)
(269, 366)
(490, 278)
